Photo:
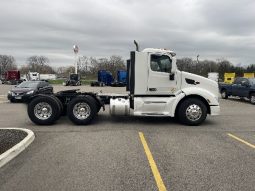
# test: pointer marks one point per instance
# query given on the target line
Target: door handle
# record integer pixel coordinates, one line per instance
(152, 89)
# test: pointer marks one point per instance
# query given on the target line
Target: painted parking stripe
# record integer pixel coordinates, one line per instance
(241, 140)
(4, 102)
(154, 168)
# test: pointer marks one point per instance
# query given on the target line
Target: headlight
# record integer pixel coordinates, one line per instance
(30, 92)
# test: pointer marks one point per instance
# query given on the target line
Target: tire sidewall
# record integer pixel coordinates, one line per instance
(54, 106)
(252, 95)
(82, 99)
(224, 94)
(182, 111)
(60, 106)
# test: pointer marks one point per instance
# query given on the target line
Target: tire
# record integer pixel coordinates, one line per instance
(49, 104)
(88, 104)
(60, 106)
(252, 98)
(192, 111)
(224, 94)
(12, 101)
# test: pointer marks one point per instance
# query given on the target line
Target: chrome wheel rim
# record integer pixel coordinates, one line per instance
(223, 94)
(43, 110)
(81, 111)
(193, 112)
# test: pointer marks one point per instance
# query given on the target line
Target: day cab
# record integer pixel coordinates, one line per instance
(155, 88)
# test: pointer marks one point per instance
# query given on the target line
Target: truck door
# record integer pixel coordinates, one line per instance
(236, 87)
(159, 82)
(244, 88)
(240, 88)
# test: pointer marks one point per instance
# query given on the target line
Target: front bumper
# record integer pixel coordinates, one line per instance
(215, 110)
(22, 98)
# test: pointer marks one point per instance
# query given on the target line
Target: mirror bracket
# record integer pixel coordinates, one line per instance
(171, 76)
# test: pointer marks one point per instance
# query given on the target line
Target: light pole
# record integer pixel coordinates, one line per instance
(76, 50)
(197, 63)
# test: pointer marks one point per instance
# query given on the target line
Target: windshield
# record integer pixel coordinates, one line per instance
(28, 85)
(252, 81)
(74, 76)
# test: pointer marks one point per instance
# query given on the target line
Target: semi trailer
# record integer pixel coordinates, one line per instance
(155, 88)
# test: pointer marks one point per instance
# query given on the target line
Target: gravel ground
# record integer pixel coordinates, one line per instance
(9, 138)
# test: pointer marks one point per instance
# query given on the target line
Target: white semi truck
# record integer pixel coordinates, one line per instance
(156, 88)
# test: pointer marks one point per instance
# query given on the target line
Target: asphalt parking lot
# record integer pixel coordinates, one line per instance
(118, 153)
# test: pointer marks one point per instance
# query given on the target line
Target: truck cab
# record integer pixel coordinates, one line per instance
(158, 88)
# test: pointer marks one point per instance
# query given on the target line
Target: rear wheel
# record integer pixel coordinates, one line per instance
(252, 98)
(224, 94)
(192, 111)
(43, 110)
(60, 105)
(81, 110)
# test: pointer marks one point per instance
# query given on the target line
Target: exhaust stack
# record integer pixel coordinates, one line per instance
(136, 45)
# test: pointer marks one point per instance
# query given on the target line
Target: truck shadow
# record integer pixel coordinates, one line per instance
(136, 121)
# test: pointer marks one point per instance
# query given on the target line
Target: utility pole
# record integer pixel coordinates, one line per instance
(197, 59)
(76, 50)
(197, 64)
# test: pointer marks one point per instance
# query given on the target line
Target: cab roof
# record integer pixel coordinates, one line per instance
(159, 50)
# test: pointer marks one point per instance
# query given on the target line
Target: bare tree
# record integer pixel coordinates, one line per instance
(83, 64)
(7, 62)
(39, 64)
(64, 72)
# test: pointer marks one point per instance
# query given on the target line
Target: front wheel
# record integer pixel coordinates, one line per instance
(224, 94)
(252, 98)
(192, 111)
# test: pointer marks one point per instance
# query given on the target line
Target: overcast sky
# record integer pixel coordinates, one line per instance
(211, 28)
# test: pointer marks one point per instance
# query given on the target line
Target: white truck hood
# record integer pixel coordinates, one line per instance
(195, 81)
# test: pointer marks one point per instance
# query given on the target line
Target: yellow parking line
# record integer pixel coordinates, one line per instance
(241, 140)
(154, 168)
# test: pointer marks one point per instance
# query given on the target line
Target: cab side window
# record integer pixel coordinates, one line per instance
(244, 81)
(161, 63)
(238, 81)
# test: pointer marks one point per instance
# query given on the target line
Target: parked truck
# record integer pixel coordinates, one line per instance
(12, 77)
(121, 80)
(104, 78)
(155, 88)
(33, 76)
(241, 87)
(73, 80)
(46, 77)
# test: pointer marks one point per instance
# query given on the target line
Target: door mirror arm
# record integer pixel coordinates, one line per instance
(171, 76)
